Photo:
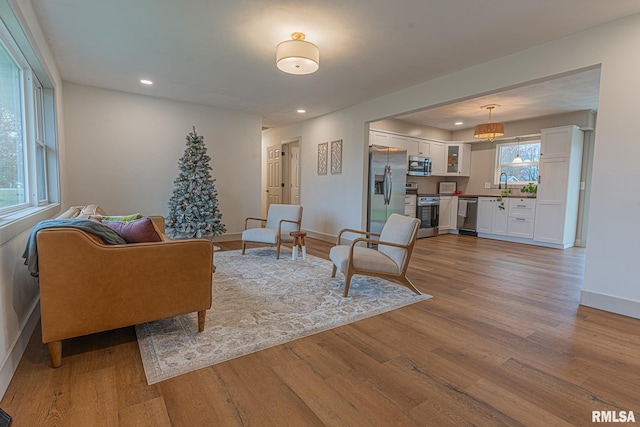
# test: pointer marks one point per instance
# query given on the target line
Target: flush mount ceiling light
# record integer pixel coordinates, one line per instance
(146, 82)
(297, 56)
(489, 131)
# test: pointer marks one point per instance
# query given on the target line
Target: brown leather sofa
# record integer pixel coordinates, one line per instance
(87, 286)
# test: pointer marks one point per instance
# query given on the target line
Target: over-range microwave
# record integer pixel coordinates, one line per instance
(419, 166)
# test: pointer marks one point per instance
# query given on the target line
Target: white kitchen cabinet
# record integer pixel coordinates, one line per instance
(558, 142)
(457, 159)
(521, 217)
(558, 186)
(398, 141)
(492, 215)
(447, 219)
(437, 158)
(379, 138)
(410, 205)
(418, 147)
(388, 139)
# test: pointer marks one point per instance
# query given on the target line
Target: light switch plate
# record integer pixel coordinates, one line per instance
(582, 185)
(487, 185)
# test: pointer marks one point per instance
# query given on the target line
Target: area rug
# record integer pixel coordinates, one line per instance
(260, 302)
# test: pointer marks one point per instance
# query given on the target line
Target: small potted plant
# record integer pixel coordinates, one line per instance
(529, 190)
(503, 193)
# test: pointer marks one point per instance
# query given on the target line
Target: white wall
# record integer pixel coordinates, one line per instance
(331, 201)
(123, 151)
(611, 282)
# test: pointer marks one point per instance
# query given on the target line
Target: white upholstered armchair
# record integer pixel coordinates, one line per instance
(390, 260)
(280, 220)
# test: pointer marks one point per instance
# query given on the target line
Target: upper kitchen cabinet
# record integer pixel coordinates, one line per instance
(458, 159)
(437, 158)
(419, 147)
(447, 158)
(560, 141)
(558, 186)
(388, 139)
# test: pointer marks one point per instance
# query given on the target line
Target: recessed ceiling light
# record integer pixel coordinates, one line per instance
(146, 82)
(458, 123)
(301, 110)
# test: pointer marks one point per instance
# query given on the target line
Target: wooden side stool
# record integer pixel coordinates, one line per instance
(298, 241)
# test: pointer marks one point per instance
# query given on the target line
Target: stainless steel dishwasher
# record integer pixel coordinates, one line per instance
(468, 216)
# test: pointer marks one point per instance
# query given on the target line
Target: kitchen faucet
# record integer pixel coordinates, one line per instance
(505, 181)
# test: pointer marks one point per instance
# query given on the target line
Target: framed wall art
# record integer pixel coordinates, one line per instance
(323, 149)
(336, 156)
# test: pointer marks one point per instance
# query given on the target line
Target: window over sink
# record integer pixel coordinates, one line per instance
(518, 173)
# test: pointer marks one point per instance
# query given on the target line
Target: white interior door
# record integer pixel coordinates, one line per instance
(294, 174)
(274, 175)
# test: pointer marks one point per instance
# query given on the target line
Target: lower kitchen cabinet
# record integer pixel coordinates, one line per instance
(448, 214)
(492, 215)
(410, 205)
(521, 217)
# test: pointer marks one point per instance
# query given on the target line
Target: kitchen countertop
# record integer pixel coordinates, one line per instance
(490, 195)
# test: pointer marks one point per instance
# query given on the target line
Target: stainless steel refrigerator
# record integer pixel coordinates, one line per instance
(387, 180)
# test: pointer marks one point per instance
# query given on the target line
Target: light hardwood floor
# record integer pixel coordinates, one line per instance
(503, 342)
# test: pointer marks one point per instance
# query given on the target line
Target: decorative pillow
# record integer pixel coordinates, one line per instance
(91, 210)
(70, 213)
(122, 218)
(137, 231)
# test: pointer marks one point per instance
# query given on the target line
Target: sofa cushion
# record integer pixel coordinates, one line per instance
(122, 218)
(93, 212)
(72, 212)
(137, 231)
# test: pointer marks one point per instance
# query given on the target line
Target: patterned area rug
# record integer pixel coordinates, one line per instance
(260, 302)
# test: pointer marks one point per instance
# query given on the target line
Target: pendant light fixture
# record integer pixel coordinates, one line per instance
(518, 159)
(489, 131)
(297, 56)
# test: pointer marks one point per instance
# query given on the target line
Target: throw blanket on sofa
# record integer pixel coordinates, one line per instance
(30, 255)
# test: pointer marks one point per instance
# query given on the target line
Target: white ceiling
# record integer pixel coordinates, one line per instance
(221, 53)
(575, 92)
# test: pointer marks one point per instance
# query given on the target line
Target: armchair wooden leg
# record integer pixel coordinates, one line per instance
(244, 246)
(278, 251)
(405, 281)
(202, 315)
(347, 283)
(334, 270)
(55, 352)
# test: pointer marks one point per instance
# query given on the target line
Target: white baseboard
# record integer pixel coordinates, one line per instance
(610, 303)
(10, 363)
(523, 240)
(229, 237)
(321, 236)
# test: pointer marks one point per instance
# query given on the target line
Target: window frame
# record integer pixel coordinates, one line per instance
(40, 203)
(20, 86)
(498, 165)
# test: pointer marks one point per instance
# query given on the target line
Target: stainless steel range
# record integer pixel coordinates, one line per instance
(428, 213)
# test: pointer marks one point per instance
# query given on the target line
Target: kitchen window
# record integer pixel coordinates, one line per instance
(518, 173)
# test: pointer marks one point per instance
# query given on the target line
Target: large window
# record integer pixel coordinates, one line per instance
(13, 179)
(28, 149)
(519, 161)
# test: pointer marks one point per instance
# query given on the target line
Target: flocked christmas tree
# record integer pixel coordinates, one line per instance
(193, 207)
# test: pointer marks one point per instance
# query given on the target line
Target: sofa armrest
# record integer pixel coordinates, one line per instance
(87, 286)
(158, 222)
